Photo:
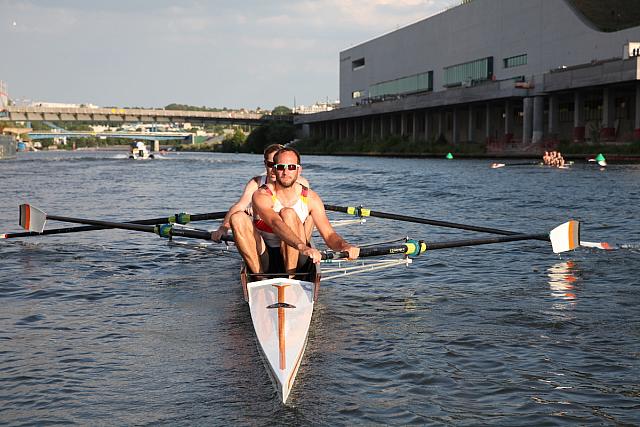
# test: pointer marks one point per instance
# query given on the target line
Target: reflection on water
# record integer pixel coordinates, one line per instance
(563, 278)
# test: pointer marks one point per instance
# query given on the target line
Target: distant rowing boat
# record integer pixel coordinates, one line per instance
(502, 165)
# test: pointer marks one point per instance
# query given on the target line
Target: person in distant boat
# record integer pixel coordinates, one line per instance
(553, 158)
(244, 202)
(276, 240)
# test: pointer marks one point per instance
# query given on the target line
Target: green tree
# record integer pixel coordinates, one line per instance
(234, 142)
(270, 133)
(281, 110)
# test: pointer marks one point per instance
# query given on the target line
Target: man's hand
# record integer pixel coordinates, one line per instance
(216, 235)
(354, 251)
(312, 253)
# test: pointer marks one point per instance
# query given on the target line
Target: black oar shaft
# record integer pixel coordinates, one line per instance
(181, 232)
(162, 220)
(404, 248)
(430, 222)
(485, 241)
(105, 224)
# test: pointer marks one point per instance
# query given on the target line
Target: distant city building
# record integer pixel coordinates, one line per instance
(523, 71)
(61, 105)
(4, 95)
(318, 107)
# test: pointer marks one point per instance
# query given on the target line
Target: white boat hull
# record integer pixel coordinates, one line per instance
(281, 311)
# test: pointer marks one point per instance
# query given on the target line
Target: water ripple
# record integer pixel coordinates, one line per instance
(114, 327)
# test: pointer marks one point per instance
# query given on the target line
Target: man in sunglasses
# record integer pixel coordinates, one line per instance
(276, 239)
(244, 202)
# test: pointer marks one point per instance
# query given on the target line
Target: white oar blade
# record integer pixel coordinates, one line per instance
(565, 237)
(32, 218)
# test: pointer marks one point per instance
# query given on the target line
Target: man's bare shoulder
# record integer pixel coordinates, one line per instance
(264, 190)
(255, 181)
(313, 197)
(302, 180)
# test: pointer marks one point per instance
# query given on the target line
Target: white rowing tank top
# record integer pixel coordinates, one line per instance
(301, 208)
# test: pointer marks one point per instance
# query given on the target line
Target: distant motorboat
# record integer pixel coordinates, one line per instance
(140, 152)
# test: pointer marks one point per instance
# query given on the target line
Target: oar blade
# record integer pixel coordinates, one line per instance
(565, 237)
(32, 218)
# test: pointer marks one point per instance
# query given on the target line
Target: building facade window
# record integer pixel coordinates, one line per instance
(357, 64)
(515, 61)
(469, 72)
(422, 82)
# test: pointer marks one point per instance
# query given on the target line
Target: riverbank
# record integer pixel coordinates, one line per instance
(398, 147)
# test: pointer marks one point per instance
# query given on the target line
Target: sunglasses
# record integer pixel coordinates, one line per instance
(286, 166)
(269, 163)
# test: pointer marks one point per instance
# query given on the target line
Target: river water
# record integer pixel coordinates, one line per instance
(118, 328)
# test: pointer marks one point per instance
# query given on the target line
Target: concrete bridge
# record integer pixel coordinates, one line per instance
(151, 136)
(134, 115)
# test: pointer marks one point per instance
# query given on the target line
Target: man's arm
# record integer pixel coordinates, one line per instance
(331, 238)
(263, 206)
(239, 206)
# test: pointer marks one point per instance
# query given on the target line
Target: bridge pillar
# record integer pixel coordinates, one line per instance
(553, 115)
(471, 124)
(454, 132)
(527, 120)
(156, 146)
(427, 128)
(414, 126)
(578, 117)
(538, 119)
(636, 132)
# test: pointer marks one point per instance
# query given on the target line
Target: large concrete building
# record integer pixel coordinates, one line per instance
(496, 71)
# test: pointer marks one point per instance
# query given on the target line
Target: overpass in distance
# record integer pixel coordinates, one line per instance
(134, 115)
(151, 136)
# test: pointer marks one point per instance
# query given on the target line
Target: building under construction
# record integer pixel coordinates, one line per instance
(516, 72)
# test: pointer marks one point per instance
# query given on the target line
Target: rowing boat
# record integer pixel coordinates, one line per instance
(281, 311)
(282, 308)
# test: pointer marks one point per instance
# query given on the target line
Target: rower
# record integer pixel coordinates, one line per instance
(546, 158)
(244, 202)
(277, 238)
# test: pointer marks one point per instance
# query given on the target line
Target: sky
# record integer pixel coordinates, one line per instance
(150, 53)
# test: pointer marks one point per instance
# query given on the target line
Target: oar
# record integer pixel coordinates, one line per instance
(564, 237)
(34, 219)
(179, 218)
(363, 212)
